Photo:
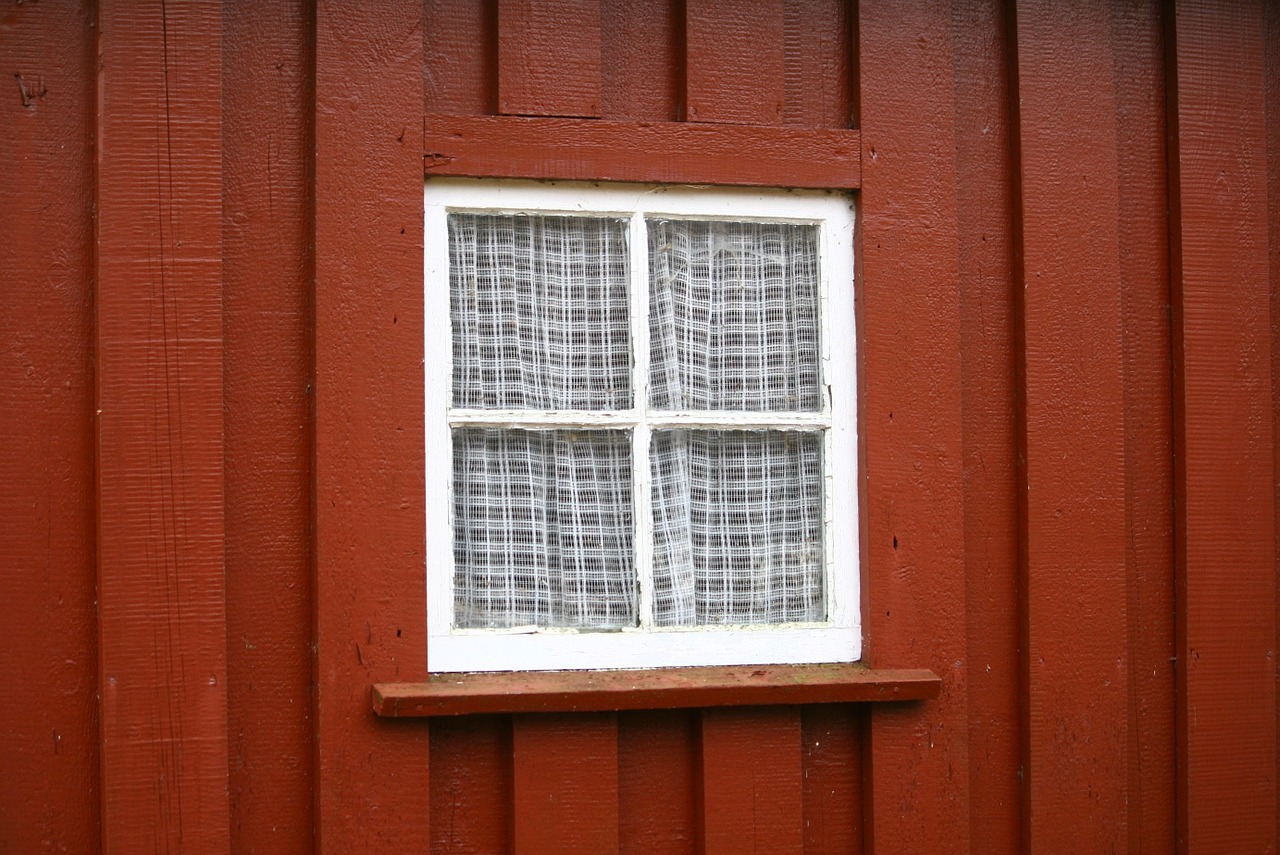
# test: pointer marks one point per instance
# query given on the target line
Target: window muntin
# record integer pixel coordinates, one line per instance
(642, 452)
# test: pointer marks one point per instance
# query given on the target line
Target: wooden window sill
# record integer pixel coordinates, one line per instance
(665, 688)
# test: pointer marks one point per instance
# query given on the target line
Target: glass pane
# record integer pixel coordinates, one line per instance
(542, 529)
(733, 316)
(539, 307)
(737, 527)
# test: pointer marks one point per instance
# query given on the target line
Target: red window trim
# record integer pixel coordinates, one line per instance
(650, 152)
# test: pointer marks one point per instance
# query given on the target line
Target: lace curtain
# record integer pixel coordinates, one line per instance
(544, 521)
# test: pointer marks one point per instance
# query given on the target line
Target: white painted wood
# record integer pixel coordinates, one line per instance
(836, 639)
(839, 373)
(437, 354)
(641, 475)
(565, 650)
(712, 419)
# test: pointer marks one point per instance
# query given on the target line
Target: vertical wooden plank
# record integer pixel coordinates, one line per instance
(470, 785)
(642, 60)
(984, 196)
(373, 780)
(49, 793)
(1073, 491)
(549, 57)
(267, 274)
(817, 42)
(565, 783)
(1224, 446)
(832, 759)
(752, 793)
(912, 421)
(161, 586)
(735, 70)
(1148, 429)
(657, 778)
(460, 57)
(1273, 219)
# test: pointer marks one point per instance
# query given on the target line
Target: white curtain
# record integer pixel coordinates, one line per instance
(733, 321)
(733, 316)
(543, 519)
(543, 529)
(540, 312)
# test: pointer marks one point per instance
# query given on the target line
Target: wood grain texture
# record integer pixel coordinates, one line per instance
(734, 66)
(1073, 493)
(460, 57)
(1224, 447)
(159, 378)
(657, 688)
(642, 60)
(912, 424)
(831, 756)
(564, 783)
(1148, 408)
(937, 301)
(373, 781)
(817, 63)
(471, 795)
(549, 57)
(657, 781)
(984, 196)
(751, 785)
(1273, 219)
(49, 795)
(669, 152)
(267, 275)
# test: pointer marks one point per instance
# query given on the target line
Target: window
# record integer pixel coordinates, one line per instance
(641, 448)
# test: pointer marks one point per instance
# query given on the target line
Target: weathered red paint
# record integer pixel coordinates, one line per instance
(657, 781)
(564, 783)
(471, 796)
(327, 550)
(49, 791)
(642, 63)
(1273, 220)
(751, 793)
(673, 688)
(912, 425)
(267, 276)
(1148, 412)
(1068, 288)
(372, 780)
(460, 66)
(666, 152)
(984, 187)
(831, 738)
(735, 71)
(159, 421)
(818, 64)
(549, 58)
(1224, 448)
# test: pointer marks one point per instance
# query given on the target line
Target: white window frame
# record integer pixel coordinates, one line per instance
(838, 639)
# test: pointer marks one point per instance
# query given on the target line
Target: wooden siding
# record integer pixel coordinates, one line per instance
(211, 411)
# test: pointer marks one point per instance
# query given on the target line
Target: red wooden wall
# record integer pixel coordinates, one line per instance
(211, 374)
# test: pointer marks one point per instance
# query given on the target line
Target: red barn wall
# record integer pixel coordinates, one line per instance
(211, 454)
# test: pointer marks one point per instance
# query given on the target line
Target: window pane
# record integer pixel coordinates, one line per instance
(539, 306)
(737, 527)
(733, 316)
(542, 529)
